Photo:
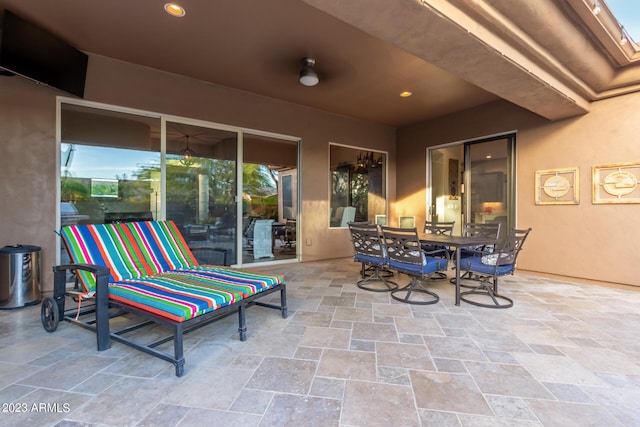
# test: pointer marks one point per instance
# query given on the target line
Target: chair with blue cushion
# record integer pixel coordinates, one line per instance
(371, 252)
(438, 228)
(406, 256)
(477, 229)
(487, 266)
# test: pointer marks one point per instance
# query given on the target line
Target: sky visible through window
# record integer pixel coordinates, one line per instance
(628, 14)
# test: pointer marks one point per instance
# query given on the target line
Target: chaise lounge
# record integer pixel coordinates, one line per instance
(146, 268)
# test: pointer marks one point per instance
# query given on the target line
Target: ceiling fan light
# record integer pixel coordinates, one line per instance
(308, 74)
(309, 77)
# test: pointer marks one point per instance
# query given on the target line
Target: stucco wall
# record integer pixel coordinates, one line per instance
(27, 167)
(27, 138)
(585, 241)
(598, 242)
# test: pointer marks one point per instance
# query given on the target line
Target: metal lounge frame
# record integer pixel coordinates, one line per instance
(101, 309)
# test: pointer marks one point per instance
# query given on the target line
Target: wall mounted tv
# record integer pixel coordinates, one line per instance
(33, 52)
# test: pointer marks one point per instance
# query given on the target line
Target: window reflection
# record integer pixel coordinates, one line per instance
(111, 167)
(105, 159)
(358, 185)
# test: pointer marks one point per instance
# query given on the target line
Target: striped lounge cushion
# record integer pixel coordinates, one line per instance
(249, 283)
(162, 245)
(108, 245)
(185, 294)
(129, 250)
(178, 297)
(152, 268)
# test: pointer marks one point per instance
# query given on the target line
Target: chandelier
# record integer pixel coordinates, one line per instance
(367, 160)
(187, 154)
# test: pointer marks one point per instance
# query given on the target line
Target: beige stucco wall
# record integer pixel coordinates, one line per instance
(27, 140)
(598, 242)
(27, 167)
(585, 241)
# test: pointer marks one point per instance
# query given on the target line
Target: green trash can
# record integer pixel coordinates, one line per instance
(19, 276)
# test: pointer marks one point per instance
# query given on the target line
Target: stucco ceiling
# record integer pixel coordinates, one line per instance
(452, 55)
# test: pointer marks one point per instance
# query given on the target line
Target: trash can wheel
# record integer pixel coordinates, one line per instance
(49, 314)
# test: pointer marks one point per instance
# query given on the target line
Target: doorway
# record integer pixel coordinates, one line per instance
(270, 225)
(473, 181)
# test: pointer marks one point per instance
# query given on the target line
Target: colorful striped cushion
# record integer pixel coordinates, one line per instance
(152, 268)
(162, 245)
(108, 245)
(129, 250)
(250, 283)
(178, 297)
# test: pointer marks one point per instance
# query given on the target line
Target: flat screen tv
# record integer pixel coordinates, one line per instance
(33, 52)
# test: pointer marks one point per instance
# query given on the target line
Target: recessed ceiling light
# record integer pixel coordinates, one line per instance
(405, 94)
(174, 9)
(488, 156)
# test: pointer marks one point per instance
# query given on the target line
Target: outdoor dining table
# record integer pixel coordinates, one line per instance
(457, 242)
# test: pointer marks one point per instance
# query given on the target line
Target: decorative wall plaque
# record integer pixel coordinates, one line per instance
(557, 187)
(616, 183)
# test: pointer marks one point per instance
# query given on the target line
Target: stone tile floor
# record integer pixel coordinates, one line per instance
(565, 355)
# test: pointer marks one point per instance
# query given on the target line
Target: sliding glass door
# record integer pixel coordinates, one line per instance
(445, 196)
(201, 184)
(118, 165)
(269, 197)
(473, 182)
(490, 188)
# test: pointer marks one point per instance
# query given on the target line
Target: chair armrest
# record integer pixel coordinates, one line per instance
(91, 268)
(478, 252)
(444, 252)
(210, 255)
(503, 257)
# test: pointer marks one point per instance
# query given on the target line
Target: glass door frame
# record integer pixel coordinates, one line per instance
(240, 181)
(510, 175)
(465, 193)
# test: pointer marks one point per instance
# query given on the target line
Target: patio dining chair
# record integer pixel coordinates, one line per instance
(406, 256)
(371, 252)
(487, 266)
(437, 228)
(479, 229)
(287, 235)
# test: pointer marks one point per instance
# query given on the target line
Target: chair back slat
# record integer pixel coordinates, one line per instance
(439, 228)
(490, 230)
(403, 245)
(511, 246)
(367, 240)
